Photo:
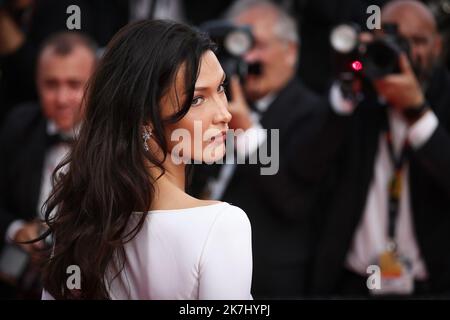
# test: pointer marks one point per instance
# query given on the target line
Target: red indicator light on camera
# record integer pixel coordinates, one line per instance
(357, 65)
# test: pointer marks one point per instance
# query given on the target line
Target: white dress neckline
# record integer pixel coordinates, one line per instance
(185, 209)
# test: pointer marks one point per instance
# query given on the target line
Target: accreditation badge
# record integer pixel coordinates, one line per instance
(396, 273)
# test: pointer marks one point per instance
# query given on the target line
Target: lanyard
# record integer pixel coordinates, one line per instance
(395, 183)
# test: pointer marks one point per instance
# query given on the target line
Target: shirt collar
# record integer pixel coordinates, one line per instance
(53, 129)
(263, 104)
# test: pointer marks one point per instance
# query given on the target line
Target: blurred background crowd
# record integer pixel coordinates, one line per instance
(364, 134)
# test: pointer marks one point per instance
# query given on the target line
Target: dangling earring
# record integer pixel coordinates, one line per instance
(146, 136)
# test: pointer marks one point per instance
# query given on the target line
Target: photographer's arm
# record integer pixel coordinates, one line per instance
(6, 217)
(11, 37)
(12, 228)
(431, 146)
(429, 139)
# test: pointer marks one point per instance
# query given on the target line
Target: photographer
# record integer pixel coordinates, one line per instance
(387, 162)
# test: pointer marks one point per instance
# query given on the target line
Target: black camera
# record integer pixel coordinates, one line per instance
(366, 60)
(374, 59)
(233, 43)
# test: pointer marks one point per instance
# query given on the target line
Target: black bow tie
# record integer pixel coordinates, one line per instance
(56, 138)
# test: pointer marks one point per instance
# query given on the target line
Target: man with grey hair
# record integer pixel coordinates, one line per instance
(276, 45)
(278, 204)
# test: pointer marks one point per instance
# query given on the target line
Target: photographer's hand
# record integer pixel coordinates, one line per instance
(238, 107)
(402, 91)
(30, 231)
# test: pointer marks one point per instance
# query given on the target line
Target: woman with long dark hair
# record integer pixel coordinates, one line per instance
(119, 212)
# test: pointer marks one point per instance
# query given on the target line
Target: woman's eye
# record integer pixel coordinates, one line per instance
(197, 101)
(222, 87)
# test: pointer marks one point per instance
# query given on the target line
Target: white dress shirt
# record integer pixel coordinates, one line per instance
(371, 236)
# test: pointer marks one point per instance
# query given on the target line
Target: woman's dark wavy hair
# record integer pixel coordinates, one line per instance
(107, 177)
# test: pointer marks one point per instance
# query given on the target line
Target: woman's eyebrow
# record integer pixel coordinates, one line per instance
(224, 76)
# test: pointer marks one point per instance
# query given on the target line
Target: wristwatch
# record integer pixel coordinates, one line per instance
(414, 114)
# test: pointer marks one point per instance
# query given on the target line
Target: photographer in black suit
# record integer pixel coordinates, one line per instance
(388, 168)
(36, 136)
(277, 204)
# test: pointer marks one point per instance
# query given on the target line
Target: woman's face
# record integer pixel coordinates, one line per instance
(200, 134)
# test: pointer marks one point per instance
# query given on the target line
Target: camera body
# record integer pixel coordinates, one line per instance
(233, 43)
(366, 61)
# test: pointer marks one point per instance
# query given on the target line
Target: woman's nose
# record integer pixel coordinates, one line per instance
(222, 113)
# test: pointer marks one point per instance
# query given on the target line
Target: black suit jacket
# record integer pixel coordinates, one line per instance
(342, 158)
(278, 206)
(23, 143)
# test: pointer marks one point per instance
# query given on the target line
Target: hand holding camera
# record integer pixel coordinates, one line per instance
(378, 66)
(401, 90)
(238, 107)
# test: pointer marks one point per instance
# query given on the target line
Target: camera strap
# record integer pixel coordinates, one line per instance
(395, 185)
(396, 269)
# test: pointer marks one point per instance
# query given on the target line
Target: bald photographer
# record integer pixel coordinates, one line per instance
(383, 151)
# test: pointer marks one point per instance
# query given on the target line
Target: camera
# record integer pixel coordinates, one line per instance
(366, 61)
(374, 59)
(233, 43)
